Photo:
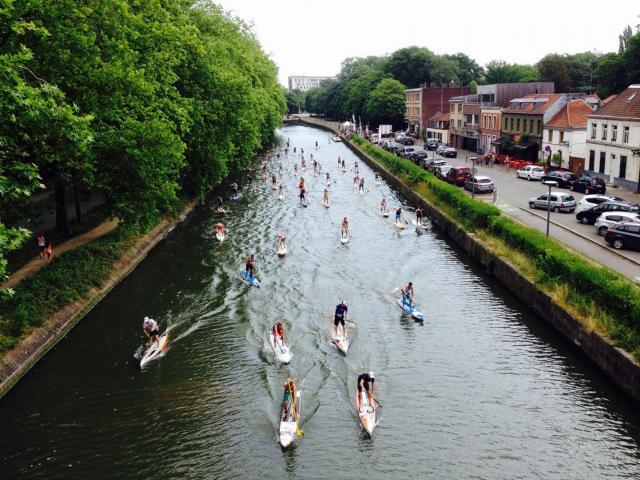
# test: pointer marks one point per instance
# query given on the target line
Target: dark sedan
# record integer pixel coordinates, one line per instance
(624, 236)
(587, 185)
(564, 179)
(589, 217)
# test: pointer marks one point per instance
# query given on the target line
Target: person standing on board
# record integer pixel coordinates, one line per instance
(325, 197)
(419, 216)
(366, 381)
(250, 265)
(303, 196)
(151, 329)
(339, 318)
(278, 332)
(383, 205)
(407, 294)
(361, 188)
(398, 214)
(273, 181)
(344, 228)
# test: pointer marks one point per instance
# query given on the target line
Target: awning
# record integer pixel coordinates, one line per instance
(526, 145)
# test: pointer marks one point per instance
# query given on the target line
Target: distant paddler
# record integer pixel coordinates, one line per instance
(407, 295)
(250, 265)
(220, 205)
(419, 216)
(383, 206)
(220, 231)
(282, 246)
(361, 187)
(344, 228)
(325, 198)
(339, 318)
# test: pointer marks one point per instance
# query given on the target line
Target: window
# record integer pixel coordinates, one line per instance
(538, 126)
(517, 124)
(493, 122)
(459, 107)
(601, 165)
(459, 124)
(604, 131)
(561, 137)
(614, 133)
(511, 125)
(592, 159)
(625, 134)
(494, 138)
(505, 124)
(623, 167)
(484, 121)
(524, 125)
(594, 127)
(550, 136)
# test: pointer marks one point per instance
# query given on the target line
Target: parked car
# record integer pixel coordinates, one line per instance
(479, 184)
(418, 156)
(590, 201)
(558, 202)
(441, 171)
(458, 175)
(588, 217)
(565, 179)
(396, 148)
(404, 151)
(613, 219)
(437, 163)
(626, 235)
(589, 185)
(406, 141)
(450, 152)
(431, 143)
(440, 148)
(399, 135)
(531, 172)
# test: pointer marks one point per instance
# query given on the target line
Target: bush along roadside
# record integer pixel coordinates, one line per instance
(591, 289)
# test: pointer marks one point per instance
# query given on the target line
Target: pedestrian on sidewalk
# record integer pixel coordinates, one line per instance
(42, 243)
(495, 195)
(48, 251)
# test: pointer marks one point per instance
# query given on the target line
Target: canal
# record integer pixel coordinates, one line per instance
(483, 389)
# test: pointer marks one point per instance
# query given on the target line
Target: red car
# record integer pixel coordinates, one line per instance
(458, 175)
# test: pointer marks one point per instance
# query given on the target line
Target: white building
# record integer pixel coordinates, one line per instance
(304, 83)
(613, 140)
(566, 135)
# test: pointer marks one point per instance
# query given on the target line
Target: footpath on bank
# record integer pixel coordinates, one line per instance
(94, 263)
(594, 307)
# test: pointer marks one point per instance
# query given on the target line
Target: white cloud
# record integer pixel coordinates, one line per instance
(312, 38)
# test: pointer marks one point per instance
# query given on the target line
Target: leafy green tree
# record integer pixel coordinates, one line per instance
(386, 104)
(499, 71)
(443, 71)
(581, 67)
(611, 74)
(411, 66)
(468, 69)
(553, 68)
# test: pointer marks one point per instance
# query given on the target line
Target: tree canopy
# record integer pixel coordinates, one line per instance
(140, 99)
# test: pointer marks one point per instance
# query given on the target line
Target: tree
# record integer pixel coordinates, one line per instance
(499, 71)
(611, 74)
(581, 67)
(386, 104)
(468, 69)
(443, 71)
(411, 66)
(295, 101)
(553, 68)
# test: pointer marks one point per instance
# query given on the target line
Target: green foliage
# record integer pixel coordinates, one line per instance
(386, 103)
(411, 66)
(611, 292)
(553, 68)
(498, 71)
(468, 70)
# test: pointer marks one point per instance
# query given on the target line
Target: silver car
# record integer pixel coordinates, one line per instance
(479, 184)
(558, 202)
(613, 219)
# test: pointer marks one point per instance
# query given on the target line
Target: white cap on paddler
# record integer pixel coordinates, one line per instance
(371, 374)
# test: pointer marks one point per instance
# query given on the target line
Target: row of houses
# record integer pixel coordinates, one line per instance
(529, 121)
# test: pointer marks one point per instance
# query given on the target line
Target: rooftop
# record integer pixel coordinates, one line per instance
(573, 115)
(625, 105)
(441, 117)
(533, 103)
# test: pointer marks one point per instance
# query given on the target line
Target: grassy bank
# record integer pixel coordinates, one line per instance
(605, 300)
(66, 279)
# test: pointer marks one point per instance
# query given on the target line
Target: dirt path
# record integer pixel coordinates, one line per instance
(37, 263)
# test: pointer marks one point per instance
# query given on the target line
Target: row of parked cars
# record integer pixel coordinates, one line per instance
(565, 179)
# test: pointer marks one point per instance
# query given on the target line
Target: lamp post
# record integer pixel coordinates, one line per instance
(550, 183)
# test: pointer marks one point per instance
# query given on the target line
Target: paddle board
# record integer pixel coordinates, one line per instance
(221, 210)
(368, 413)
(249, 280)
(344, 240)
(220, 236)
(409, 310)
(237, 196)
(340, 341)
(155, 349)
(282, 352)
(282, 251)
(289, 419)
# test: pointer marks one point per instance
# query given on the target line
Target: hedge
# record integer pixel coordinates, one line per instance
(611, 291)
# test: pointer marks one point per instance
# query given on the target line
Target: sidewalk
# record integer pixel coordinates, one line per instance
(37, 263)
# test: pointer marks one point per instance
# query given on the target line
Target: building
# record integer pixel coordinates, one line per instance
(304, 83)
(413, 109)
(565, 135)
(433, 100)
(464, 128)
(613, 140)
(500, 94)
(490, 121)
(522, 123)
(438, 127)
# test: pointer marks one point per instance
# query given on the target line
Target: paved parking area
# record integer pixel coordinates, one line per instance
(513, 196)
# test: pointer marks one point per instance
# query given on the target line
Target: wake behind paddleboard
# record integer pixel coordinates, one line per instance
(155, 349)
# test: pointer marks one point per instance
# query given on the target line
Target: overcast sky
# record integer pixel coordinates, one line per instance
(307, 37)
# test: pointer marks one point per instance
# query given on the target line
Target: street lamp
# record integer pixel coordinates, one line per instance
(551, 184)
